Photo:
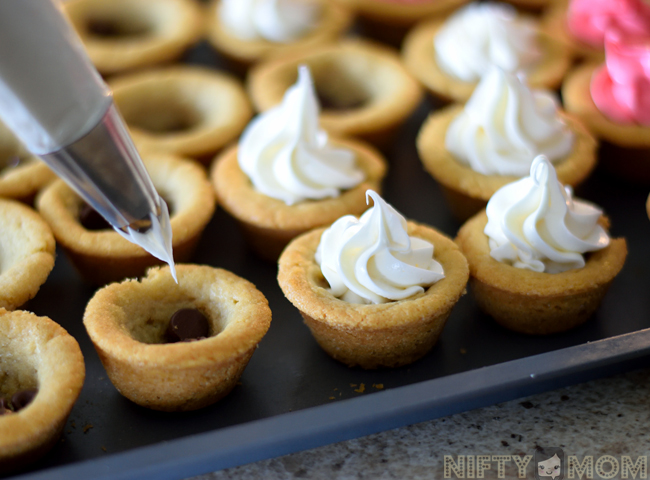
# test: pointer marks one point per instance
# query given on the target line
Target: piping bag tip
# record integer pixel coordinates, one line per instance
(157, 239)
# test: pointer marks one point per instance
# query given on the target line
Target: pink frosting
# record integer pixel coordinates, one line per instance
(588, 20)
(621, 88)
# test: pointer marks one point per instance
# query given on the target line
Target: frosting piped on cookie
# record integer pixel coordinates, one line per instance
(484, 34)
(373, 259)
(505, 125)
(288, 156)
(279, 21)
(536, 224)
(621, 88)
(589, 20)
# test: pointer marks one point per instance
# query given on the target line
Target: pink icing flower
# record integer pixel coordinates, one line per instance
(588, 20)
(621, 88)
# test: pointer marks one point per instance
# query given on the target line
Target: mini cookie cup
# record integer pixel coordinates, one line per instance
(371, 336)
(367, 91)
(418, 55)
(103, 256)
(532, 302)
(467, 191)
(27, 252)
(333, 22)
(126, 323)
(183, 110)
(36, 353)
(269, 224)
(624, 148)
(122, 35)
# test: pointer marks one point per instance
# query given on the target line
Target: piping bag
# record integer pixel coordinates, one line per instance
(57, 104)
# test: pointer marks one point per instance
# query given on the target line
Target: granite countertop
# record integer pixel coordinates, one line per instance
(608, 416)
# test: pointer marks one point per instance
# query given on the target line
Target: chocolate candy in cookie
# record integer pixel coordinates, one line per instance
(187, 324)
(22, 398)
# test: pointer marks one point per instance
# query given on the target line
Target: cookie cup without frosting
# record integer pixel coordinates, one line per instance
(183, 110)
(419, 57)
(36, 353)
(27, 252)
(126, 323)
(467, 191)
(267, 223)
(103, 256)
(122, 35)
(624, 148)
(333, 22)
(371, 336)
(532, 302)
(373, 92)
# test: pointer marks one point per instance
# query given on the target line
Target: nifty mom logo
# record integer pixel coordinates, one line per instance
(547, 464)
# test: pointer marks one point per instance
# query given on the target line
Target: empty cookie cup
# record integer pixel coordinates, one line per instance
(102, 255)
(27, 252)
(123, 35)
(42, 375)
(127, 323)
(183, 110)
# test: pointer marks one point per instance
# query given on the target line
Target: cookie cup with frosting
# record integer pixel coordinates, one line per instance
(468, 191)
(537, 303)
(36, 353)
(126, 323)
(365, 90)
(383, 335)
(331, 23)
(123, 35)
(269, 224)
(419, 57)
(103, 256)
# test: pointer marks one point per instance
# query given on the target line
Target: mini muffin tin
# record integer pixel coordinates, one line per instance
(292, 396)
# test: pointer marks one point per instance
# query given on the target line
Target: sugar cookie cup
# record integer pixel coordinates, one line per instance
(554, 22)
(22, 175)
(389, 20)
(371, 336)
(103, 256)
(126, 323)
(268, 224)
(36, 353)
(418, 55)
(467, 191)
(122, 35)
(184, 110)
(532, 302)
(365, 91)
(624, 148)
(27, 252)
(333, 22)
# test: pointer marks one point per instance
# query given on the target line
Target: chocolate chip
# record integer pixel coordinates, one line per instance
(21, 399)
(187, 324)
(91, 220)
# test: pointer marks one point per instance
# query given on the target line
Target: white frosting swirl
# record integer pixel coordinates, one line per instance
(286, 154)
(534, 223)
(373, 259)
(280, 21)
(484, 34)
(505, 125)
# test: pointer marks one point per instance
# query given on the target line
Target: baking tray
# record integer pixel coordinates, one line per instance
(292, 396)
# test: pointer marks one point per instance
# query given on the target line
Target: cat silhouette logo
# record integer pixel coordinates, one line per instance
(549, 463)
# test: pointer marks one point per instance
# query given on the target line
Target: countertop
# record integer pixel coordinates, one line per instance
(604, 417)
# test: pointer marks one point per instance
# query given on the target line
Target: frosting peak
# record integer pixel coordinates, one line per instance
(589, 20)
(484, 34)
(505, 125)
(536, 224)
(286, 154)
(621, 88)
(280, 21)
(373, 259)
